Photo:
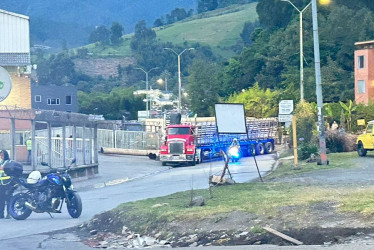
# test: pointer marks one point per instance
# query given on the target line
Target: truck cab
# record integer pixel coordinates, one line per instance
(179, 145)
(365, 142)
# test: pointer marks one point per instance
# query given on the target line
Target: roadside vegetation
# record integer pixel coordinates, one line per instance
(267, 200)
(244, 44)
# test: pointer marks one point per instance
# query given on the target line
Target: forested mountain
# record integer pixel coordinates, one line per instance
(69, 22)
(267, 55)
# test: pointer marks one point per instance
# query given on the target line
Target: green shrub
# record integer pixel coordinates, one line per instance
(305, 150)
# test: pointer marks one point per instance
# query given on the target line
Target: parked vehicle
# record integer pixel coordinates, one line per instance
(194, 143)
(365, 142)
(45, 195)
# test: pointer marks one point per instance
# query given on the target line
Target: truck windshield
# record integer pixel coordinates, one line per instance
(179, 131)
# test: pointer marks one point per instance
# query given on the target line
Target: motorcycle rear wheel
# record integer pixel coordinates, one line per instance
(74, 205)
(17, 207)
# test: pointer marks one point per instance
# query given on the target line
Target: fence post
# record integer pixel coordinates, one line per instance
(84, 144)
(96, 158)
(63, 145)
(13, 139)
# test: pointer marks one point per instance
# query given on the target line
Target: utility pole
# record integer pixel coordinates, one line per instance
(301, 47)
(317, 62)
(179, 76)
(147, 86)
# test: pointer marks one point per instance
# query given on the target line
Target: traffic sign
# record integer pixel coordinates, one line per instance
(285, 107)
(285, 118)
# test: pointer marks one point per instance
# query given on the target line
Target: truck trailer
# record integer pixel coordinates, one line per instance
(195, 142)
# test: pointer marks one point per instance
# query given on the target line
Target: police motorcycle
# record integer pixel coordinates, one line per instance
(44, 194)
(234, 151)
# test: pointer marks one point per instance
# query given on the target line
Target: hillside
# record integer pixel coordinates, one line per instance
(53, 23)
(219, 29)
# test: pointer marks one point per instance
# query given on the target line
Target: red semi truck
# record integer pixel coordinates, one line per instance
(190, 144)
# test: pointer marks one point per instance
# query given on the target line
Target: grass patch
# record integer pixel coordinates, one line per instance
(336, 160)
(360, 201)
(261, 199)
(219, 28)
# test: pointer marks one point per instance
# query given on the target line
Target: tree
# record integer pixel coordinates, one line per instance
(142, 35)
(206, 5)
(257, 102)
(349, 108)
(57, 70)
(116, 31)
(274, 13)
(158, 22)
(248, 28)
(179, 14)
(203, 87)
(100, 34)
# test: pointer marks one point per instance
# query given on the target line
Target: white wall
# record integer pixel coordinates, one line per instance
(14, 33)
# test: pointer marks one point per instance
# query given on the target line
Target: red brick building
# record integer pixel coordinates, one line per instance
(364, 72)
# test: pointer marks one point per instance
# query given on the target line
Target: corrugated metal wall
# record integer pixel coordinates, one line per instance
(14, 33)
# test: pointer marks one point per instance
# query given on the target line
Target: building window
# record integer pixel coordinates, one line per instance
(361, 62)
(68, 100)
(361, 87)
(38, 98)
(53, 101)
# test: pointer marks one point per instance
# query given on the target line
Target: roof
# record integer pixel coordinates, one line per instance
(13, 14)
(14, 59)
(365, 45)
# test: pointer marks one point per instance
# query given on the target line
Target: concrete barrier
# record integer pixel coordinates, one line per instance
(122, 151)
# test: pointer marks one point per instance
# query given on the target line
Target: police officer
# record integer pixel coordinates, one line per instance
(29, 148)
(5, 183)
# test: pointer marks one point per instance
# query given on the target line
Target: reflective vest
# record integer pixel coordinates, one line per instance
(4, 179)
(28, 144)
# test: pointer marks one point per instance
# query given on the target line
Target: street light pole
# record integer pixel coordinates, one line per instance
(179, 75)
(301, 47)
(317, 63)
(146, 85)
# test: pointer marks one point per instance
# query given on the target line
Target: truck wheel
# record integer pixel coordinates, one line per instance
(193, 162)
(260, 149)
(360, 149)
(269, 147)
(252, 149)
(201, 157)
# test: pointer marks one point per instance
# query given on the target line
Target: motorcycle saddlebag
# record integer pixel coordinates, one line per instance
(13, 168)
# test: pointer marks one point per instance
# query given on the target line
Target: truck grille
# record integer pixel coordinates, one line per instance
(176, 148)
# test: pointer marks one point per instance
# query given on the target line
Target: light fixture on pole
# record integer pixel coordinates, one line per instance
(162, 81)
(146, 86)
(301, 47)
(317, 63)
(179, 75)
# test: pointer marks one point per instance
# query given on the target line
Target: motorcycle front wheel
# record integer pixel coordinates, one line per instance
(17, 208)
(74, 205)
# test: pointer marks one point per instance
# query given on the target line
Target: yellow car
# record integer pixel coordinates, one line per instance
(365, 141)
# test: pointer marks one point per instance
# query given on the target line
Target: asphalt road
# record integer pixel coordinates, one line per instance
(121, 179)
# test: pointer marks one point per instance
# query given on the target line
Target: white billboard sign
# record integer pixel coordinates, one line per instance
(5, 84)
(230, 118)
(285, 107)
